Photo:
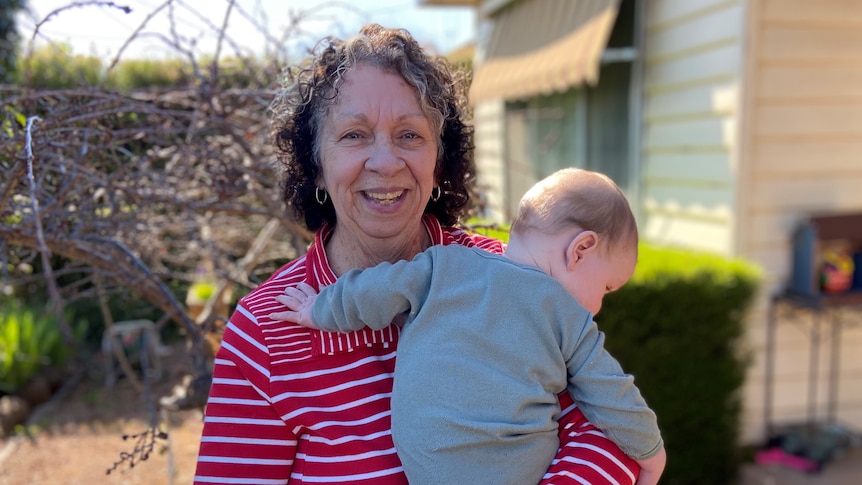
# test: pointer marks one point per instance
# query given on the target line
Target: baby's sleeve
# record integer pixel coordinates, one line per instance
(608, 396)
(373, 296)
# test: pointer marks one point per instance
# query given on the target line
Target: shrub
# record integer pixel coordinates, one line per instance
(29, 342)
(677, 327)
(149, 73)
(57, 68)
(486, 228)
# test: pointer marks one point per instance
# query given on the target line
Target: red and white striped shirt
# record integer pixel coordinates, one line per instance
(290, 405)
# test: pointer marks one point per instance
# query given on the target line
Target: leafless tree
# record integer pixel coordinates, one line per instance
(139, 192)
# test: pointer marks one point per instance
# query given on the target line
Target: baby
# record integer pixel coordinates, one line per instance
(488, 341)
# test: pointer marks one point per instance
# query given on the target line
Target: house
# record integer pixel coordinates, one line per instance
(727, 123)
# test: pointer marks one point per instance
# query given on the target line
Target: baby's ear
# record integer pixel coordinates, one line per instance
(582, 245)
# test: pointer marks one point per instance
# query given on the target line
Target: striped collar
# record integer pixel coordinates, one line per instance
(320, 274)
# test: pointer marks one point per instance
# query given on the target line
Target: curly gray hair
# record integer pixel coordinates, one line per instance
(299, 111)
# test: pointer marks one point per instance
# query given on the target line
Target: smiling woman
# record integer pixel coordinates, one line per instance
(365, 132)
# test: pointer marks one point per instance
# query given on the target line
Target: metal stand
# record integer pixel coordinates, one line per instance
(826, 312)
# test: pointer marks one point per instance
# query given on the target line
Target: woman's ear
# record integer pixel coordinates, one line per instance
(584, 243)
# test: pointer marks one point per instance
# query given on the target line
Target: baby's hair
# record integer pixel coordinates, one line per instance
(573, 197)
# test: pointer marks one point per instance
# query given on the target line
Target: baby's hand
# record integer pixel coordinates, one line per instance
(299, 299)
(652, 468)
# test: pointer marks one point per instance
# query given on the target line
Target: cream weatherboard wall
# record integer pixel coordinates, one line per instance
(489, 139)
(801, 153)
(692, 74)
(752, 119)
(691, 165)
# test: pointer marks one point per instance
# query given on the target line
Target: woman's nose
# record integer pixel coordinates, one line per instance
(384, 157)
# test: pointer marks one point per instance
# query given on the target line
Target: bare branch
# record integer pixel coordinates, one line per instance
(53, 291)
(121, 185)
(135, 33)
(106, 193)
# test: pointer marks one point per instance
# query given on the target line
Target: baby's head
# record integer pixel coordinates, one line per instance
(601, 232)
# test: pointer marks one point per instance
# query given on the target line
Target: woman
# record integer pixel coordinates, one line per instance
(378, 164)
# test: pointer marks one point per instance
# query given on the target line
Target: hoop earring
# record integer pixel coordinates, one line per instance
(436, 192)
(321, 199)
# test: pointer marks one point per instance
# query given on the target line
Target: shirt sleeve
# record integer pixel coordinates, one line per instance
(606, 395)
(244, 441)
(586, 455)
(374, 296)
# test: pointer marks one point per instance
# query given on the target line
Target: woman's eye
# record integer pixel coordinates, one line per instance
(354, 136)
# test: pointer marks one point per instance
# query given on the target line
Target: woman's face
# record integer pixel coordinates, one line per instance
(378, 155)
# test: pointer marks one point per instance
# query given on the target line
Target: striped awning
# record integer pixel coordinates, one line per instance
(543, 46)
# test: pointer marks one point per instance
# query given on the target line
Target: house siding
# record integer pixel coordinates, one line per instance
(692, 71)
(489, 139)
(802, 154)
(751, 118)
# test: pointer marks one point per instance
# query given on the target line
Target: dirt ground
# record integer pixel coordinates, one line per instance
(76, 437)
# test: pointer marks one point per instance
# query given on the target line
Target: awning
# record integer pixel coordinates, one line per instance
(543, 46)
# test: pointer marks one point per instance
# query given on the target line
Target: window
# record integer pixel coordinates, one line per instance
(586, 126)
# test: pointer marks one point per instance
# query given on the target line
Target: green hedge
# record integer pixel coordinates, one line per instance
(677, 327)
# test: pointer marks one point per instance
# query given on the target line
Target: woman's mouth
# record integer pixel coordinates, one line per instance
(385, 198)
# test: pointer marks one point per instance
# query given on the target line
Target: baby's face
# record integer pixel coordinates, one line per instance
(600, 273)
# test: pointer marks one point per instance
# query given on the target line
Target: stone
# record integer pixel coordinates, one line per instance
(37, 391)
(14, 410)
(191, 393)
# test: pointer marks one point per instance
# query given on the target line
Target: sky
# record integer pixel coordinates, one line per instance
(101, 28)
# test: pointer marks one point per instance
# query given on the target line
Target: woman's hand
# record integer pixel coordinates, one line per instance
(299, 299)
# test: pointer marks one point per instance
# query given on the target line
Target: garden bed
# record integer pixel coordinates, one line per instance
(76, 436)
